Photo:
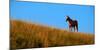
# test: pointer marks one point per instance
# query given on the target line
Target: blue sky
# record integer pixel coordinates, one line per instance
(52, 14)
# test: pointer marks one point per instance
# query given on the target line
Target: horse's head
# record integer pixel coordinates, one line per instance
(67, 18)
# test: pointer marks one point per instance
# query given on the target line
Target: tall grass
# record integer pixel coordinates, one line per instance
(28, 35)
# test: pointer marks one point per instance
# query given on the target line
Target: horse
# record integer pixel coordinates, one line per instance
(72, 24)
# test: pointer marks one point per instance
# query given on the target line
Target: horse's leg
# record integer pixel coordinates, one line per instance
(70, 29)
(77, 27)
(74, 29)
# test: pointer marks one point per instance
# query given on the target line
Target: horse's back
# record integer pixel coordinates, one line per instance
(75, 22)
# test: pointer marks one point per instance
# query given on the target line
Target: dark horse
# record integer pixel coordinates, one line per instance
(72, 24)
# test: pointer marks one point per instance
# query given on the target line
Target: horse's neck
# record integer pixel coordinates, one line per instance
(70, 21)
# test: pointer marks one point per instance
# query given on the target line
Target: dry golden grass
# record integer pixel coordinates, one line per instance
(28, 35)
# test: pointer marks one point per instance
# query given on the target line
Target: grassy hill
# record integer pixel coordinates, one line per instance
(29, 35)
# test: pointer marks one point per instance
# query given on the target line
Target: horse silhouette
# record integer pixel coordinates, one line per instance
(73, 24)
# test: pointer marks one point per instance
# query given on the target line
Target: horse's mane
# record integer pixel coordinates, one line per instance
(70, 19)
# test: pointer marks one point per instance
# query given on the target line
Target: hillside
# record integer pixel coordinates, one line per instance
(29, 35)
